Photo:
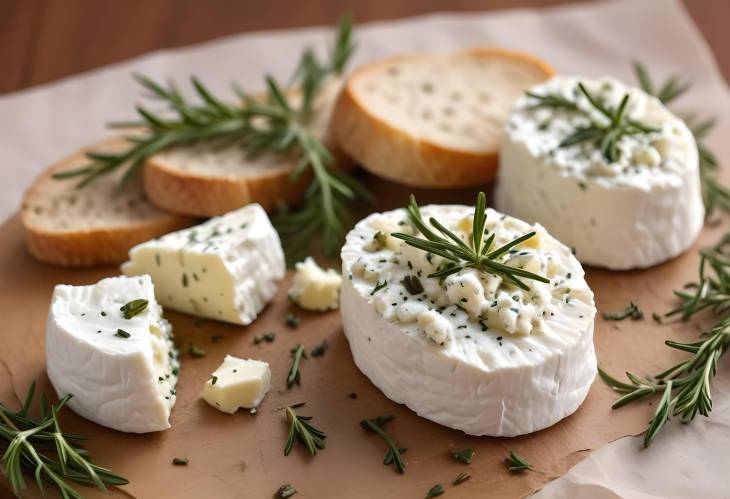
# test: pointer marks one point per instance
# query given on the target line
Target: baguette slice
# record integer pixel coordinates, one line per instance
(210, 179)
(95, 225)
(433, 120)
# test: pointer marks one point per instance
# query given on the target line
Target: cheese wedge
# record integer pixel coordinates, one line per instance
(473, 352)
(121, 371)
(225, 269)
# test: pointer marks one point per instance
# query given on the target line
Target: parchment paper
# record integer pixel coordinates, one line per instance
(40, 125)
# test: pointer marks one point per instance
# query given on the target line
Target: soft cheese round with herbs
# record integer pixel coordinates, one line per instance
(607, 168)
(108, 346)
(470, 349)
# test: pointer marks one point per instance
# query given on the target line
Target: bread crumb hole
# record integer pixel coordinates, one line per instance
(393, 71)
(426, 115)
(427, 87)
(456, 96)
(445, 127)
(449, 111)
(484, 97)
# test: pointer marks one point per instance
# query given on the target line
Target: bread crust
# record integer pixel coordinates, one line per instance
(395, 154)
(94, 246)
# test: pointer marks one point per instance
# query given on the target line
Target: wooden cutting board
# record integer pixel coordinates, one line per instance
(241, 455)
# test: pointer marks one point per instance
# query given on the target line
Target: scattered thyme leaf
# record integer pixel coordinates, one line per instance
(134, 307)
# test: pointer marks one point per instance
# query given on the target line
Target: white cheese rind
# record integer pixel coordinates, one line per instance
(314, 288)
(237, 383)
(127, 384)
(639, 212)
(481, 382)
(226, 269)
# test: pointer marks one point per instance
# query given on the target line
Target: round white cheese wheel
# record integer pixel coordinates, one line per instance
(472, 352)
(121, 372)
(638, 211)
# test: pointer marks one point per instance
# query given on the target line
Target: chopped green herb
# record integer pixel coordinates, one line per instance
(320, 349)
(656, 317)
(394, 455)
(122, 333)
(180, 461)
(412, 284)
(462, 477)
(464, 455)
(285, 491)
(196, 351)
(294, 377)
(185, 280)
(516, 463)
(632, 311)
(302, 430)
(134, 307)
(267, 337)
(434, 491)
(378, 287)
(292, 321)
(213, 380)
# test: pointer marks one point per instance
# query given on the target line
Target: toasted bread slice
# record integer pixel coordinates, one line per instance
(94, 225)
(210, 179)
(433, 120)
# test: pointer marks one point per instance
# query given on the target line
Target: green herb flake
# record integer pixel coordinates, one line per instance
(196, 351)
(213, 380)
(378, 286)
(434, 491)
(285, 491)
(320, 349)
(465, 455)
(134, 307)
(267, 337)
(412, 284)
(180, 461)
(631, 311)
(292, 321)
(461, 478)
(294, 377)
(121, 333)
(185, 280)
(516, 463)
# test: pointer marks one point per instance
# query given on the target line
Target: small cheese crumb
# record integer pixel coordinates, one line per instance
(315, 288)
(436, 326)
(237, 383)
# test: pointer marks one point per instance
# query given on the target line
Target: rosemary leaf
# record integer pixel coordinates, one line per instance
(134, 307)
(631, 311)
(285, 491)
(461, 478)
(394, 455)
(516, 463)
(465, 455)
(434, 491)
(294, 376)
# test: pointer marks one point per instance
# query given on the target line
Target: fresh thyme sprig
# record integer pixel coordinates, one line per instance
(715, 195)
(301, 429)
(607, 136)
(394, 455)
(685, 387)
(28, 445)
(477, 254)
(272, 124)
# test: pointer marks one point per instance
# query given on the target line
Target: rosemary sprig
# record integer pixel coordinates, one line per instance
(714, 194)
(632, 310)
(301, 429)
(294, 377)
(478, 254)
(685, 387)
(606, 135)
(29, 444)
(272, 124)
(394, 455)
(516, 463)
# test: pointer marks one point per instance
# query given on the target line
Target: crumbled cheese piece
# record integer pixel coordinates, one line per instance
(237, 383)
(436, 326)
(315, 288)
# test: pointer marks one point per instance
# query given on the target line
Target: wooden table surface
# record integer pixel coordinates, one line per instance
(43, 40)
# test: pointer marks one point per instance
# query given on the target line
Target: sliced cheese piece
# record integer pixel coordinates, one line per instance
(121, 372)
(237, 383)
(638, 211)
(225, 269)
(314, 288)
(473, 352)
